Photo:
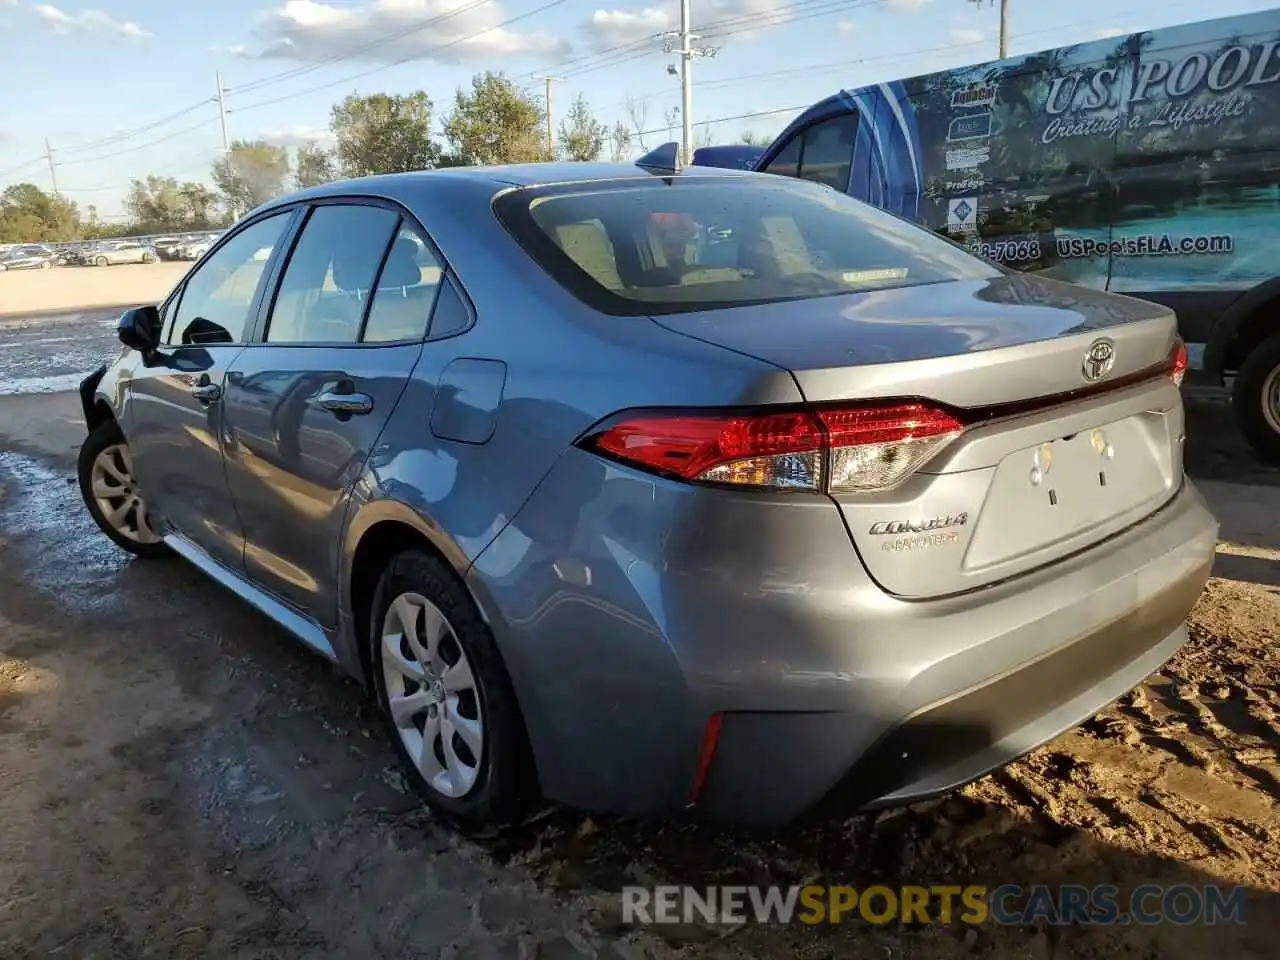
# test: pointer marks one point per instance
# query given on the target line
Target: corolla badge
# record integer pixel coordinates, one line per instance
(1099, 359)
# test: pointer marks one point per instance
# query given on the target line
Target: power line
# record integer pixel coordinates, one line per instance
(395, 63)
(130, 134)
(143, 146)
(354, 51)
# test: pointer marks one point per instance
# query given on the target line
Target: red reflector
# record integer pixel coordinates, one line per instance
(710, 738)
(910, 421)
(690, 445)
(1180, 362)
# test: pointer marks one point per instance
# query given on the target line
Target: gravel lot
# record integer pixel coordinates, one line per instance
(29, 293)
(178, 778)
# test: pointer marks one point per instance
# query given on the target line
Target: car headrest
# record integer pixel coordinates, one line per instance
(401, 269)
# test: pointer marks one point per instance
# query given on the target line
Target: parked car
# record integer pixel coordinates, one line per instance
(167, 247)
(122, 251)
(195, 249)
(30, 256)
(703, 489)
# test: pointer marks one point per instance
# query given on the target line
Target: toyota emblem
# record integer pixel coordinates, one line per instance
(1099, 359)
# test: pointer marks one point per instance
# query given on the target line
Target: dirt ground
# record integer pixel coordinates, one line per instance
(26, 293)
(180, 779)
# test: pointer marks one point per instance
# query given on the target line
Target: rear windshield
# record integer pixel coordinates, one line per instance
(675, 245)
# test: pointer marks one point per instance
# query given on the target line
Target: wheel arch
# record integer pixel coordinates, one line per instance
(1242, 326)
(380, 530)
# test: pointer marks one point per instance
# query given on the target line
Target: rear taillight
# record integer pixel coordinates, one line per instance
(1178, 362)
(845, 450)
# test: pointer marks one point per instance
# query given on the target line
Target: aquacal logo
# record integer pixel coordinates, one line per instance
(962, 214)
(979, 96)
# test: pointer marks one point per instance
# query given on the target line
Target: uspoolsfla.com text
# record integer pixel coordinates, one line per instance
(1007, 904)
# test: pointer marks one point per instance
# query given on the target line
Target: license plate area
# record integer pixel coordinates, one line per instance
(1064, 492)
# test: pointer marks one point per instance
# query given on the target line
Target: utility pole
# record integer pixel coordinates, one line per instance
(551, 135)
(687, 52)
(222, 112)
(1004, 23)
(53, 173)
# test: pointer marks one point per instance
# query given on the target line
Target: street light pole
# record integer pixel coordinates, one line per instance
(1004, 28)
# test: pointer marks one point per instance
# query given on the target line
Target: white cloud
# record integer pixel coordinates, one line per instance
(90, 22)
(907, 4)
(613, 28)
(747, 19)
(966, 35)
(230, 49)
(296, 136)
(392, 30)
(844, 26)
(1110, 32)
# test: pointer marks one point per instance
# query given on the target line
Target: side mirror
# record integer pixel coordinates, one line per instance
(139, 329)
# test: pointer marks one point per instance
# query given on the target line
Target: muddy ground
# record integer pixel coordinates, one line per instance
(180, 779)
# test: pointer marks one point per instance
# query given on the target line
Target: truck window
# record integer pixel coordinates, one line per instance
(828, 151)
(822, 153)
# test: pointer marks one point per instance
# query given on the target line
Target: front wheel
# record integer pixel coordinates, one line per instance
(100, 262)
(148, 258)
(45, 265)
(1256, 398)
(111, 492)
(448, 702)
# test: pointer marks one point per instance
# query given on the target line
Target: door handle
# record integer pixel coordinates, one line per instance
(347, 403)
(206, 392)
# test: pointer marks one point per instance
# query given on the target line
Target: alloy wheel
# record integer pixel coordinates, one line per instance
(1271, 398)
(118, 497)
(432, 695)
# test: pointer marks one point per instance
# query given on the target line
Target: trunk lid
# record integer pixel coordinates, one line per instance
(1025, 484)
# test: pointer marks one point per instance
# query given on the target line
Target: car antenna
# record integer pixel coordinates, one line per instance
(662, 160)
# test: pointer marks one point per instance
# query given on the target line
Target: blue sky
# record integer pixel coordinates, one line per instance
(123, 88)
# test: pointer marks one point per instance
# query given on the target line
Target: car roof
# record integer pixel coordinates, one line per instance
(432, 185)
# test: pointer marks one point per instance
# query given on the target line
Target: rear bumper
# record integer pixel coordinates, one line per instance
(624, 638)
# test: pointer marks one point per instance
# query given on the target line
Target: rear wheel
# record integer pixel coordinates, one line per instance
(45, 265)
(1256, 397)
(111, 493)
(446, 697)
(148, 258)
(100, 262)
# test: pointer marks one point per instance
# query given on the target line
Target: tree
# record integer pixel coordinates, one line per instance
(752, 139)
(496, 122)
(313, 166)
(582, 136)
(162, 205)
(382, 133)
(250, 174)
(637, 109)
(28, 214)
(619, 142)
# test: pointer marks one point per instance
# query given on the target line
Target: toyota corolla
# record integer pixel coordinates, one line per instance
(645, 490)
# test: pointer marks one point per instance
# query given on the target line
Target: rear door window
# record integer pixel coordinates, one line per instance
(330, 275)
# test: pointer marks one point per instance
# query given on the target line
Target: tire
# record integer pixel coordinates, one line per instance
(1256, 399)
(504, 784)
(100, 262)
(104, 459)
(148, 258)
(45, 265)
